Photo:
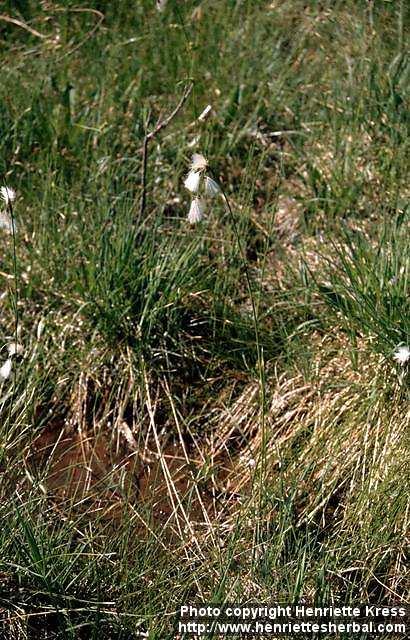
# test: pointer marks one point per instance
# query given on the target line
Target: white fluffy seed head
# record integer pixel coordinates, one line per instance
(199, 163)
(8, 194)
(402, 355)
(15, 349)
(212, 188)
(5, 370)
(196, 211)
(7, 223)
(192, 181)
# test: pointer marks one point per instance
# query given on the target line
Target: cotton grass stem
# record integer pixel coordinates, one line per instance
(8, 195)
(259, 350)
(16, 287)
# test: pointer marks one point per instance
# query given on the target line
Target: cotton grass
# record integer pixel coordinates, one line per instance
(7, 222)
(200, 184)
(402, 355)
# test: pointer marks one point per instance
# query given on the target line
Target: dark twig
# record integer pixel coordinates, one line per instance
(165, 122)
(149, 136)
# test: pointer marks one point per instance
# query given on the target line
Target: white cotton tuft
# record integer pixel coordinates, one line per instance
(402, 355)
(212, 188)
(7, 223)
(196, 211)
(5, 370)
(192, 181)
(8, 194)
(198, 163)
(15, 349)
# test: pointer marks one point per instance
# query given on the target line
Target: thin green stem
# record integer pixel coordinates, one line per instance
(144, 178)
(259, 349)
(9, 207)
(16, 289)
